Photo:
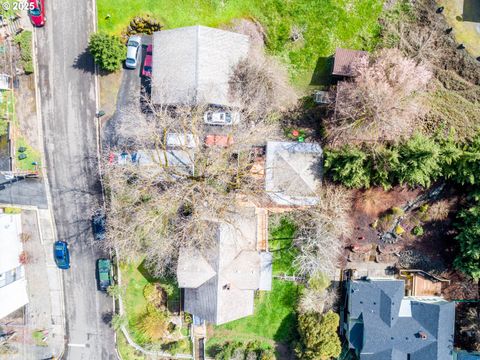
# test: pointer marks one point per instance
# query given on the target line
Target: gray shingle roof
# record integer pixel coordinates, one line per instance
(383, 324)
(292, 172)
(220, 283)
(192, 65)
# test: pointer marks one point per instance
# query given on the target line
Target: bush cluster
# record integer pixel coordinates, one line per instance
(236, 350)
(107, 51)
(416, 162)
(24, 40)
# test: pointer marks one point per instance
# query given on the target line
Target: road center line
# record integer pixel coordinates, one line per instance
(77, 345)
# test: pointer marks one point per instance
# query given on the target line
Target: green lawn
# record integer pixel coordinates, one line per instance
(33, 155)
(134, 278)
(280, 243)
(327, 24)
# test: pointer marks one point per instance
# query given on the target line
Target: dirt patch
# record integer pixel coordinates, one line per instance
(369, 205)
(109, 86)
(26, 110)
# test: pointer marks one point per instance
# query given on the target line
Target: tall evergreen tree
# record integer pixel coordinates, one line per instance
(420, 161)
(385, 162)
(107, 51)
(468, 258)
(466, 168)
(348, 165)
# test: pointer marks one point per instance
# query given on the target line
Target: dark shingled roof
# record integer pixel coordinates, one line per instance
(385, 325)
(344, 59)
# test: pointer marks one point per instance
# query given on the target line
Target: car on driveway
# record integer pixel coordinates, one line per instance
(147, 64)
(221, 117)
(104, 274)
(133, 45)
(61, 255)
(99, 222)
(36, 11)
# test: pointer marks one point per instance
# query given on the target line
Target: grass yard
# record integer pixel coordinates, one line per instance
(273, 321)
(326, 24)
(281, 246)
(134, 279)
(33, 156)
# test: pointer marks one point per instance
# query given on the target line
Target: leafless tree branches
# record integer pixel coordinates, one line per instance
(322, 230)
(384, 100)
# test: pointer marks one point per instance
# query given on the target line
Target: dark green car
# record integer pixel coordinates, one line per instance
(104, 274)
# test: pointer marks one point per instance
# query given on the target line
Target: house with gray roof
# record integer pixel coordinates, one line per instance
(192, 65)
(293, 172)
(219, 283)
(383, 324)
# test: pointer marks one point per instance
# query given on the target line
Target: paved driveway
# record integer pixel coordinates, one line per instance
(67, 96)
(128, 103)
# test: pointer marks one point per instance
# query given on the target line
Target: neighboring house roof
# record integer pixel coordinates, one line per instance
(220, 282)
(192, 65)
(344, 58)
(13, 286)
(385, 325)
(183, 160)
(292, 172)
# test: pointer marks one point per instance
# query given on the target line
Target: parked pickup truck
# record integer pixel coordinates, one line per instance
(104, 274)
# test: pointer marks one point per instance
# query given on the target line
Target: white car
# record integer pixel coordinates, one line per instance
(133, 45)
(221, 117)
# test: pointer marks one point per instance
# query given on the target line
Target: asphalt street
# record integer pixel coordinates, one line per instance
(67, 97)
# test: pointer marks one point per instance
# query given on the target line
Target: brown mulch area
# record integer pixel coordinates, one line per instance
(369, 205)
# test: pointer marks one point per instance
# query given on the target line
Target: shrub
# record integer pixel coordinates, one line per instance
(319, 281)
(349, 166)
(155, 295)
(141, 25)
(385, 222)
(397, 212)
(24, 40)
(399, 230)
(107, 51)
(12, 210)
(154, 324)
(318, 336)
(417, 230)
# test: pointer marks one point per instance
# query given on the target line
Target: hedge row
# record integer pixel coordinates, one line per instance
(416, 162)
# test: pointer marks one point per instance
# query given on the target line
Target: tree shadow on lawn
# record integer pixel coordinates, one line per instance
(322, 75)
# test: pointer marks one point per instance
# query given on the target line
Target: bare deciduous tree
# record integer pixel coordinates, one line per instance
(262, 85)
(322, 230)
(383, 101)
(185, 176)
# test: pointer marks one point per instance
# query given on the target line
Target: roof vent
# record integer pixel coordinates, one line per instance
(422, 335)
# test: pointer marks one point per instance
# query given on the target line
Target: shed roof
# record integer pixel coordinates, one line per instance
(293, 172)
(344, 59)
(192, 65)
(220, 282)
(383, 324)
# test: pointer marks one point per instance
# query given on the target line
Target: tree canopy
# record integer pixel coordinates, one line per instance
(107, 51)
(468, 256)
(318, 336)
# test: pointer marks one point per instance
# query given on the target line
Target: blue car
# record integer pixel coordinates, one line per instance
(61, 255)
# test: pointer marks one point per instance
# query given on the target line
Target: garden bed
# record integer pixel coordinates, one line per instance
(135, 280)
